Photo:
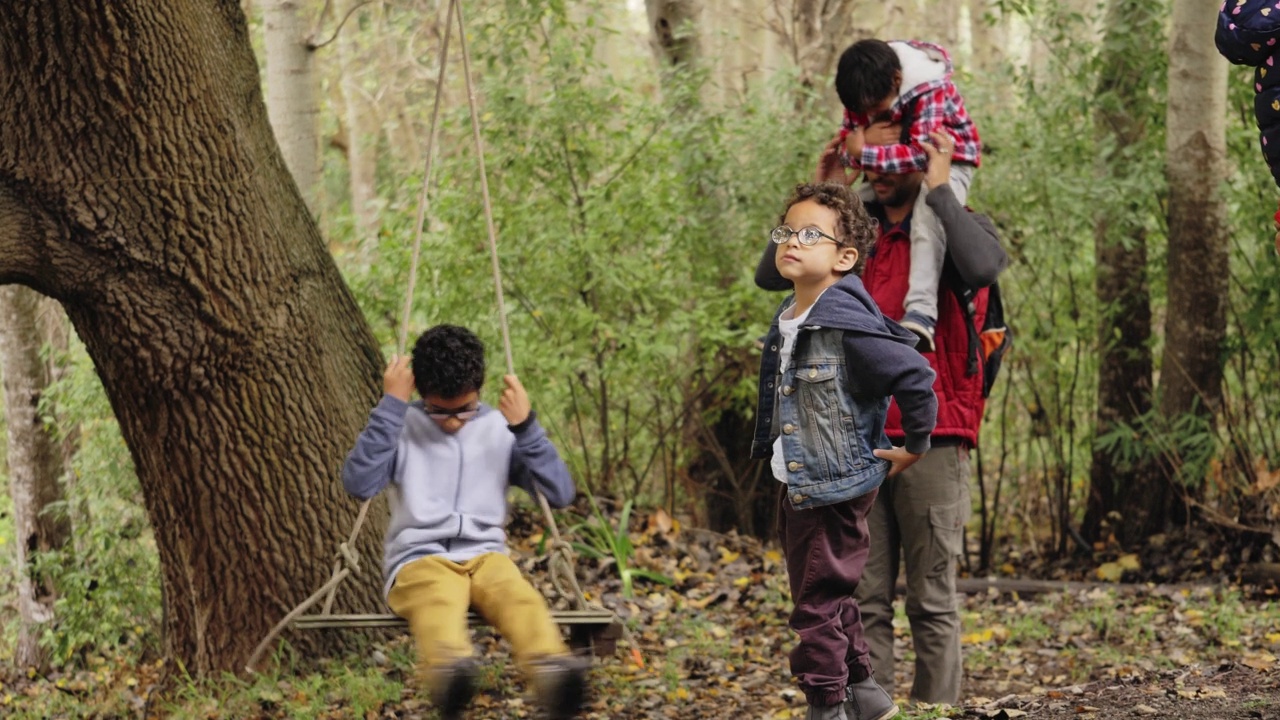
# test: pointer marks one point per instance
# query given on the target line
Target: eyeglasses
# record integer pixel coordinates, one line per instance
(808, 236)
(464, 413)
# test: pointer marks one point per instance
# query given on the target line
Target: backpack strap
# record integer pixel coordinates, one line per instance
(965, 296)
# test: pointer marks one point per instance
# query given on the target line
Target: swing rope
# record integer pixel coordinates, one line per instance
(561, 562)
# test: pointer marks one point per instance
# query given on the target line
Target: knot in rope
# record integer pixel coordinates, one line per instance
(351, 557)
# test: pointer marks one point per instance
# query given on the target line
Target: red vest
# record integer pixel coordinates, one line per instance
(960, 401)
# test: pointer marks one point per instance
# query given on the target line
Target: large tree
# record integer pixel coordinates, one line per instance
(1196, 146)
(143, 189)
(1124, 109)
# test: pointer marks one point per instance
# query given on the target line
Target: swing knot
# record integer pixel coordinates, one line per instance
(351, 557)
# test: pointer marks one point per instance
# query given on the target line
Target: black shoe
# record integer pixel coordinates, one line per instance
(452, 688)
(561, 685)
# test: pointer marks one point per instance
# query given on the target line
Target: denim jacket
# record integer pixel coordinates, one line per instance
(848, 360)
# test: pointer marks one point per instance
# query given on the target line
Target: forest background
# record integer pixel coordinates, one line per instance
(637, 156)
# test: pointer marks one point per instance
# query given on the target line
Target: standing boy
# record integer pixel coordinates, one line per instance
(831, 363)
(446, 462)
(895, 95)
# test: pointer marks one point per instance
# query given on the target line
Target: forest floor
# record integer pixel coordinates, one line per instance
(714, 646)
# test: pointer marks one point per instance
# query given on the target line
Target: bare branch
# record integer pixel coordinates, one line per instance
(313, 45)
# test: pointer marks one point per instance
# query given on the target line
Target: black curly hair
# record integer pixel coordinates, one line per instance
(864, 74)
(448, 361)
(855, 228)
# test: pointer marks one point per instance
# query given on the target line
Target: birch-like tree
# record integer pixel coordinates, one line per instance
(34, 457)
(1196, 150)
(293, 92)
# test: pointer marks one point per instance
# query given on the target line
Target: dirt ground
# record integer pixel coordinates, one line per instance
(1227, 691)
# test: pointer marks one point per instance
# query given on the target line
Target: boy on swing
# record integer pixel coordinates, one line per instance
(830, 364)
(446, 462)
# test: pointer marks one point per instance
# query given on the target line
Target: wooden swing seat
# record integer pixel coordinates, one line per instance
(594, 630)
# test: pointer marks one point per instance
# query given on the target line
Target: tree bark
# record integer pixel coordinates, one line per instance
(362, 140)
(1120, 250)
(673, 30)
(35, 466)
(292, 93)
(1196, 148)
(813, 33)
(987, 28)
(136, 153)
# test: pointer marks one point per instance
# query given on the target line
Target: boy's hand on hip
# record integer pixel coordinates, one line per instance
(397, 381)
(899, 458)
(514, 402)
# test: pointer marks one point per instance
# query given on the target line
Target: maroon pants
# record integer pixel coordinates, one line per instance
(826, 549)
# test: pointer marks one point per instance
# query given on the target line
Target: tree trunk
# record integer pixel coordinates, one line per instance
(362, 140)
(1195, 145)
(986, 27)
(1120, 248)
(141, 186)
(292, 94)
(35, 465)
(673, 30)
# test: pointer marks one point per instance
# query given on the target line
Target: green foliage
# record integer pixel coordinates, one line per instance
(107, 576)
(627, 230)
(360, 691)
(601, 541)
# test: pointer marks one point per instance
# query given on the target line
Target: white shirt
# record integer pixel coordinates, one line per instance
(789, 325)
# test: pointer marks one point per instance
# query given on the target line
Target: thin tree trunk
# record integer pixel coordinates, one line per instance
(673, 31)
(1195, 142)
(362, 140)
(141, 186)
(35, 466)
(986, 27)
(1120, 246)
(293, 93)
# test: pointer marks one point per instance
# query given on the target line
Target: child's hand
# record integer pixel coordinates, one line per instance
(854, 142)
(900, 458)
(939, 152)
(397, 381)
(514, 402)
(883, 133)
(830, 169)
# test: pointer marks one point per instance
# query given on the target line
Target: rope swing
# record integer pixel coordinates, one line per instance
(561, 560)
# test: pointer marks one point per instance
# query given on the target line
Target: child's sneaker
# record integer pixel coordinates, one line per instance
(452, 686)
(830, 712)
(868, 701)
(921, 325)
(561, 685)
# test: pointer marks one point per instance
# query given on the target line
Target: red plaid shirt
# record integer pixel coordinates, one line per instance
(936, 105)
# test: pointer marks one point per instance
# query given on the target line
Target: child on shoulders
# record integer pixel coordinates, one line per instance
(895, 94)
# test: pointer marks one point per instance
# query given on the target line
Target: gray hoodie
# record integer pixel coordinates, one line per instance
(447, 492)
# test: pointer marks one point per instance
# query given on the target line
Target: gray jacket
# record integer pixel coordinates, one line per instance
(448, 492)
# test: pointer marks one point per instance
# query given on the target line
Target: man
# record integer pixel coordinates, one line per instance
(920, 513)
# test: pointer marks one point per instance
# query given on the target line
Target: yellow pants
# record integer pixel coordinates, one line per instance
(434, 594)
